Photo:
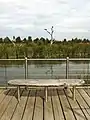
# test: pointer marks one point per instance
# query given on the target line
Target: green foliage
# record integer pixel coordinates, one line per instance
(29, 39)
(41, 48)
(6, 40)
(1, 40)
(18, 40)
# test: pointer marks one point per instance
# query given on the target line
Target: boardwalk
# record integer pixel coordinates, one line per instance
(60, 105)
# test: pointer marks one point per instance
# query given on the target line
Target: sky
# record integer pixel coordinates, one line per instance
(70, 18)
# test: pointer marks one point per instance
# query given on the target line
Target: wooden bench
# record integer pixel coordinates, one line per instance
(45, 83)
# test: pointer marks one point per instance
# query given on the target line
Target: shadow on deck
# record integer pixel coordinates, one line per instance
(60, 105)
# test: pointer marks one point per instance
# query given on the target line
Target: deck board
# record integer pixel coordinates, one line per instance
(28, 114)
(6, 101)
(87, 96)
(82, 104)
(3, 94)
(10, 109)
(58, 114)
(48, 112)
(38, 112)
(75, 107)
(66, 107)
(60, 105)
(20, 107)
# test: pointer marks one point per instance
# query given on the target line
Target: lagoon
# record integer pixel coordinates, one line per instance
(45, 70)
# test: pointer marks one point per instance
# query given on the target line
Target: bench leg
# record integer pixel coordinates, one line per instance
(74, 88)
(46, 96)
(18, 93)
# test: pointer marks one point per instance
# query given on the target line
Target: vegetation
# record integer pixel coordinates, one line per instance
(41, 48)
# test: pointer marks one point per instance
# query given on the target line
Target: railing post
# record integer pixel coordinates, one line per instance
(26, 68)
(6, 76)
(67, 67)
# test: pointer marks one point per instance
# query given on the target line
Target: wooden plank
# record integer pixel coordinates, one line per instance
(75, 106)
(58, 114)
(87, 90)
(28, 114)
(38, 112)
(68, 114)
(48, 112)
(1, 90)
(3, 94)
(10, 109)
(85, 96)
(20, 107)
(82, 103)
(4, 104)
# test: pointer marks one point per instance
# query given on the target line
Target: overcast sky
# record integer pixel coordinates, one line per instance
(70, 18)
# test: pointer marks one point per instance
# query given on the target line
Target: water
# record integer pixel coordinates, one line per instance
(43, 70)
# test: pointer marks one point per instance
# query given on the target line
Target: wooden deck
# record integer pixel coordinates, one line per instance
(32, 106)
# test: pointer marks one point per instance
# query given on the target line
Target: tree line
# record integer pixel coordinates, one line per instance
(42, 48)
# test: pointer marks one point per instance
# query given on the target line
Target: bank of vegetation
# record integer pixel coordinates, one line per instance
(41, 48)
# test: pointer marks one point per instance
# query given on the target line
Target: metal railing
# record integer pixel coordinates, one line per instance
(13, 69)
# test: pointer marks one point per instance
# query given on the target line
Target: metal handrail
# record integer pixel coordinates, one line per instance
(56, 59)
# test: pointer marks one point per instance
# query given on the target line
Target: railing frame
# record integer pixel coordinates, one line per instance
(67, 59)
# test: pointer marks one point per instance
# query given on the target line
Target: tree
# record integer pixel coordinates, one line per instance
(13, 37)
(42, 40)
(29, 39)
(85, 40)
(18, 40)
(1, 40)
(24, 40)
(64, 40)
(36, 40)
(7, 40)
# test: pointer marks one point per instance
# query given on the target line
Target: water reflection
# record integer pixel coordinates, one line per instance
(43, 69)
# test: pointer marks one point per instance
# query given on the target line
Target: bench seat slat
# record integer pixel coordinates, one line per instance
(45, 82)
